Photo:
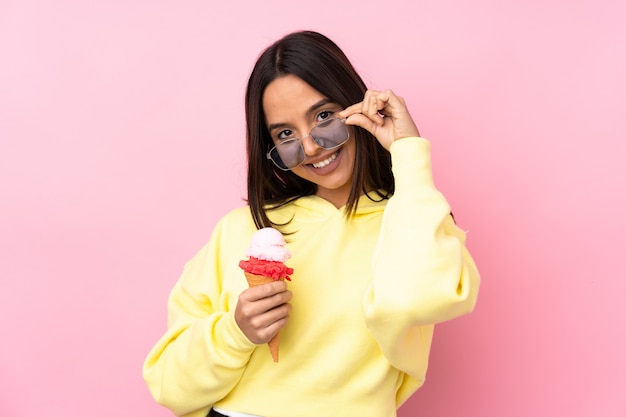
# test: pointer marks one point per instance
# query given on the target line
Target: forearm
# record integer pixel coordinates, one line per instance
(422, 272)
(194, 366)
(203, 353)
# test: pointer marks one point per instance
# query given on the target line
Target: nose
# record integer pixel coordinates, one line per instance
(309, 145)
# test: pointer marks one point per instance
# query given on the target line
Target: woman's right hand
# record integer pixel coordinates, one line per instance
(263, 310)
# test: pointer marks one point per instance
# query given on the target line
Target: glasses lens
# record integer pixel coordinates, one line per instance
(330, 133)
(288, 154)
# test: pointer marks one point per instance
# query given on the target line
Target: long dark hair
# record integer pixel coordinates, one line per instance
(320, 63)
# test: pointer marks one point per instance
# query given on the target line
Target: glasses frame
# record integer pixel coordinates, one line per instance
(268, 155)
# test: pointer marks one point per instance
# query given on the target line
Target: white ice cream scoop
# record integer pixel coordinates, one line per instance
(268, 244)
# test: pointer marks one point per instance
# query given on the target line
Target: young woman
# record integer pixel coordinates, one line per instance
(378, 260)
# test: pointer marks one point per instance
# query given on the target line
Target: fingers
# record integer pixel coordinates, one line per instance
(264, 291)
(262, 311)
(375, 106)
(383, 114)
(261, 328)
(258, 300)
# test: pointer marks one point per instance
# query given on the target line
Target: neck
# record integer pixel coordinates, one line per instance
(337, 198)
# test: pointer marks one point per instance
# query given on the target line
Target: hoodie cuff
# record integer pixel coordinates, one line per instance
(411, 163)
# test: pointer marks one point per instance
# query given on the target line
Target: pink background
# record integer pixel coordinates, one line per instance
(121, 144)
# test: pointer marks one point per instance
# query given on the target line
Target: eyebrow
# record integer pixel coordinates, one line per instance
(310, 110)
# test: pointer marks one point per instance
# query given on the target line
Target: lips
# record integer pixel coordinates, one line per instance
(327, 161)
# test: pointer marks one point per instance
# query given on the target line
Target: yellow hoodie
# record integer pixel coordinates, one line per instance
(366, 294)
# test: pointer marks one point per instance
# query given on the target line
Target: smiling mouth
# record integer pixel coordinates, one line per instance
(326, 161)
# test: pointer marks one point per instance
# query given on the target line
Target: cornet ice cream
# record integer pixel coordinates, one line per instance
(266, 256)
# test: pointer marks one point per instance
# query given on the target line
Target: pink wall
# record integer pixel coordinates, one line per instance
(121, 144)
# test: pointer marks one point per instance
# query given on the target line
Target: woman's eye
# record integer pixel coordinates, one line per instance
(324, 115)
(285, 134)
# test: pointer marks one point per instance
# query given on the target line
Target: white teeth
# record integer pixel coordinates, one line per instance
(325, 162)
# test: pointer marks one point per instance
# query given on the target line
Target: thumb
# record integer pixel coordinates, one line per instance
(363, 121)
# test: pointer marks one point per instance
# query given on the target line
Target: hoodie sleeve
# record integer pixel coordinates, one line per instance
(422, 271)
(202, 334)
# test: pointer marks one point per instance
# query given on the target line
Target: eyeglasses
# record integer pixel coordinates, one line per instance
(329, 134)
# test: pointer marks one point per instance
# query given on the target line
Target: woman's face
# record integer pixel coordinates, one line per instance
(292, 108)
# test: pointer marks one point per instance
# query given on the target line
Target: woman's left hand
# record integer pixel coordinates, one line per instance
(384, 115)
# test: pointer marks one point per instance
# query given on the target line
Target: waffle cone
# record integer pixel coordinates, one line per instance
(254, 281)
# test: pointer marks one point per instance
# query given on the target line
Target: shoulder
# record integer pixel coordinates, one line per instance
(230, 234)
(237, 221)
